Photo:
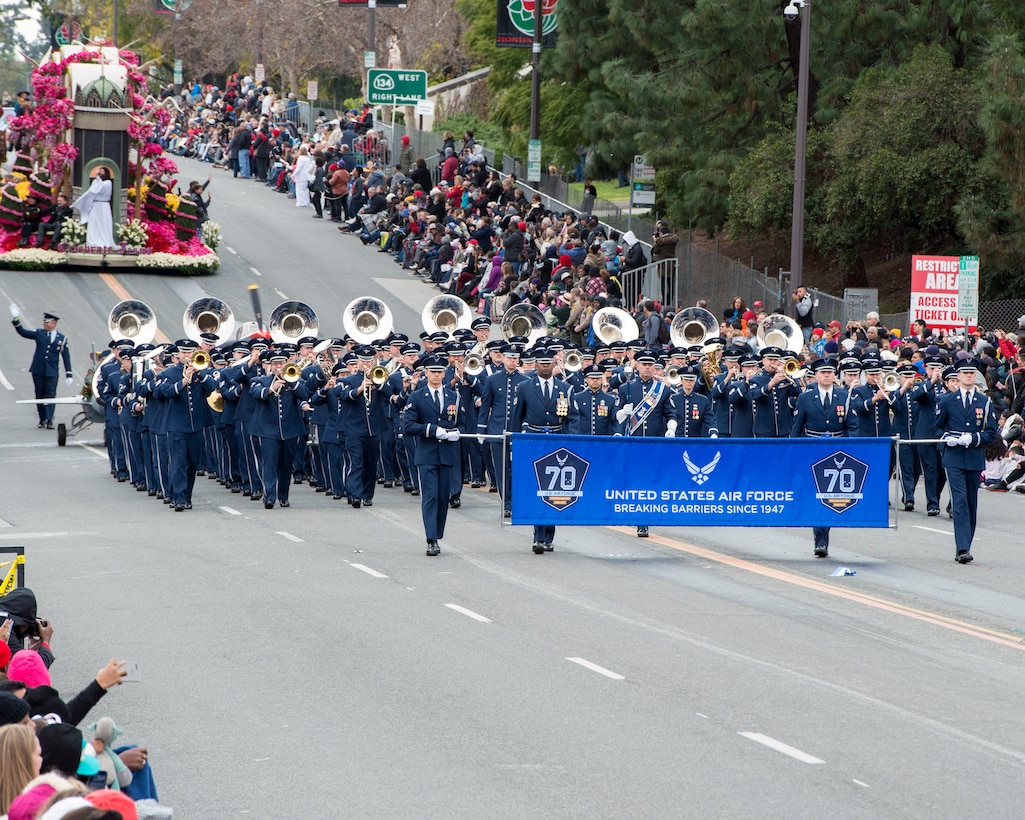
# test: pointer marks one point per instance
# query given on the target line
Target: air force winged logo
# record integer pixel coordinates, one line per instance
(839, 480)
(560, 478)
(699, 475)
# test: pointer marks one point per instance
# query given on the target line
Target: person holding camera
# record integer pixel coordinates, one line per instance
(803, 310)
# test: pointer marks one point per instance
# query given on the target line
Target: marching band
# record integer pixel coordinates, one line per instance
(259, 411)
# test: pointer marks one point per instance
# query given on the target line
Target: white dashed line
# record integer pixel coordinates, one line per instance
(601, 670)
(862, 784)
(931, 529)
(780, 746)
(279, 293)
(229, 510)
(35, 535)
(231, 250)
(254, 270)
(469, 613)
(701, 715)
(93, 450)
(4, 382)
(289, 536)
(368, 570)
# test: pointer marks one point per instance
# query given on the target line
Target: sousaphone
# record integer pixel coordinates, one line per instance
(208, 315)
(524, 320)
(292, 320)
(780, 331)
(447, 314)
(366, 319)
(132, 320)
(613, 324)
(693, 326)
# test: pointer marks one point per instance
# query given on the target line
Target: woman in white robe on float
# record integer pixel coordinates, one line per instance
(94, 206)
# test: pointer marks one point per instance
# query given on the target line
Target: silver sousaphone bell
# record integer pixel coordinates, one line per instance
(208, 315)
(693, 326)
(780, 331)
(613, 324)
(132, 320)
(366, 319)
(292, 320)
(524, 320)
(446, 313)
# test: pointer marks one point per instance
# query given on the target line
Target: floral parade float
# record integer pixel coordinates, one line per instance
(91, 111)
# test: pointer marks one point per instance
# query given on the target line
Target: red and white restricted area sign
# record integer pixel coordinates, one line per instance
(934, 293)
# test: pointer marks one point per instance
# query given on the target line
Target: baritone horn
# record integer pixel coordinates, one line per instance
(208, 315)
(292, 320)
(133, 320)
(672, 376)
(693, 326)
(367, 319)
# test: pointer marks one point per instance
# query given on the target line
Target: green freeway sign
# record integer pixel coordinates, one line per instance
(387, 86)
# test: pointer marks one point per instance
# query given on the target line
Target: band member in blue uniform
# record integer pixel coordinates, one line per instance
(433, 415)
(494, 417)
(906, 415)
(185, 388)
(278, 423)
(51, 347)
(723, 408)
(742, 414)
(592, 411)
(926, 395)
(542, 406)
(872, 404)
(366, 422)
(644, 406)
(969, 423)
(693, 413)
(823, 412)
(772, 394)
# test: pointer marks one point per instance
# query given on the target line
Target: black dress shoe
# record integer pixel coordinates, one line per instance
(236, 488)
(41, 425)
(49, 425)
(507, 514)
(909, 506)
(321, 489)
(160, 493)
(539, 548)
(642, 532)
(407, 488)
(179, 508)
(368, 502)
(200, 473)
(932, 513)
(493, 488)
(298, 479)
(284, 502)
(122, 480)
(432, 547)
(476, 484)
(964, 557)
(548, 546)
(414, 491)
(388, 485)
(140, 487)
(188, 505)
(356, 504)
(256, 496)
(821, 552)
(337, 497)
(151, 493)
(455, 502)
(268, 505)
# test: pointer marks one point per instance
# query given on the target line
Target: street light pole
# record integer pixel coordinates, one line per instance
(535, 74)
(797, 228)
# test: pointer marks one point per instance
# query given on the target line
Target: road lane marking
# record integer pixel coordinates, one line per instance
(93, 450)
(862, 784)
(601, 670)
(230, 249)
(931, 529)
(469, 613)
(368, 570)
(289, 536)
(36, 535)
(991, 635)
(782, 747)
(279, 293)
(229, 510)
(254, 270)
(3, 380)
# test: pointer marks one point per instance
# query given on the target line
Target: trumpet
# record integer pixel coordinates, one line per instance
(200, 360)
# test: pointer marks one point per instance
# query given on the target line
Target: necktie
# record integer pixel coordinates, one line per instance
(548, 393)
(825, 400)
(437, 400)
(968, 399)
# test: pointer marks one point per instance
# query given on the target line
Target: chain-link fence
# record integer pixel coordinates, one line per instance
(1002, 315)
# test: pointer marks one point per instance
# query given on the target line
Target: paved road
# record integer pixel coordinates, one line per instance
(312, 663)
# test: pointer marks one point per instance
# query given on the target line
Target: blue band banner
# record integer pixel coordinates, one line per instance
(609, 481)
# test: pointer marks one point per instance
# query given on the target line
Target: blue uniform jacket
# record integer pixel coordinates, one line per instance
(592, 413)
(278, 416)
(655, 424)
(812, 420)
(978, 418)
(694, 415)
(494, 415)
(187, 410)
(873, 417)
(46, 359)
(363, 418)
(532, 414)
(421, 419)
(773, 409)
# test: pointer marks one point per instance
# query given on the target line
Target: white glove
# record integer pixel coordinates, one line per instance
(440, 434)
(671, 429)
(480, 439)
(453, 435)
(713, 435)
(965, 440)
(15, 311)
(623, 413)
(69, 381)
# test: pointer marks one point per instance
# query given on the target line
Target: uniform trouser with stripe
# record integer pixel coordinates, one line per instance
(149, 460)
(133, 454)
(501, 474)
(185, 451)
(932, 474)
(964, 503)
(362, 452)
(409, 447)
(335, 474)
(46, 388)
(163, 462)
(387, 461)
(910, 470)
(117, 447)
(433, 478)
(276, 459)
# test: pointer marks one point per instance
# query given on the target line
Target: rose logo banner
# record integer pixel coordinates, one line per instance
(599, 481)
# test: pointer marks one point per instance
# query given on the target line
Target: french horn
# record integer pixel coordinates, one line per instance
(693, 326)
(613, 324)
(524, 320)
(292, 320)
(366, 319)
(446, 313)
(208, 315)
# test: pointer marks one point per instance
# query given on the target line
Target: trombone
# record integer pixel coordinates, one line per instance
(200, 360)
